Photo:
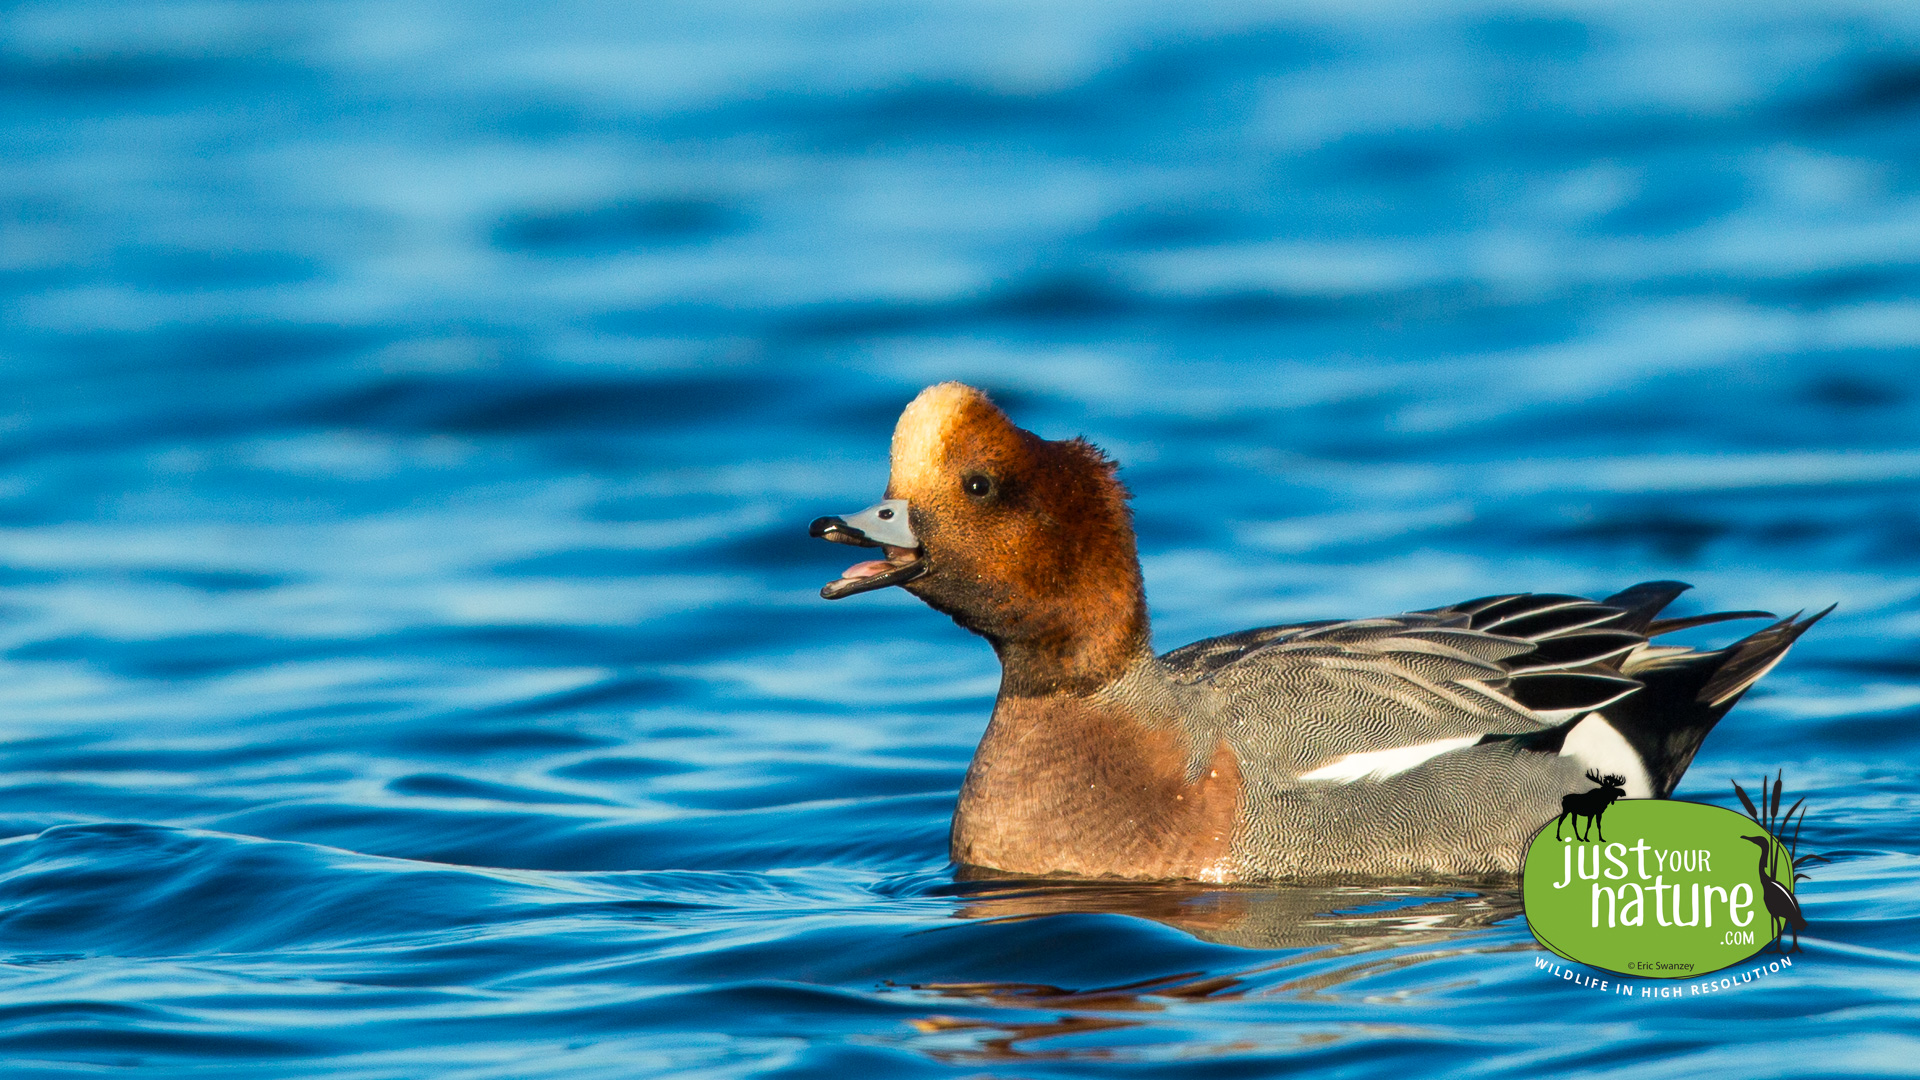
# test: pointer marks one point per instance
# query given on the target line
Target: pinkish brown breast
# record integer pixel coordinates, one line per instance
(1062, 785)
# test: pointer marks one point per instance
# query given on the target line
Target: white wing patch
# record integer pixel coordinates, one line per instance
(1380, 764)
(1595, 744)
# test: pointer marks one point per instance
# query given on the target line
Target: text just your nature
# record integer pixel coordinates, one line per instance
(1626, 904)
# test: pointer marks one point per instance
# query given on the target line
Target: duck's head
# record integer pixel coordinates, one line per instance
(1025, 541)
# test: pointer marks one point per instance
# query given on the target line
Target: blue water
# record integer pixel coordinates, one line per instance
(410, 414)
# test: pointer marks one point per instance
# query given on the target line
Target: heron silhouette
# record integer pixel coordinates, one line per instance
(1783, 910)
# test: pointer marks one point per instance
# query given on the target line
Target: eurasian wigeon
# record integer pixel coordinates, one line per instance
(1425, 745)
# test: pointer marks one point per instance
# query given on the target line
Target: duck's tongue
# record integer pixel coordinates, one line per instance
(901, 566)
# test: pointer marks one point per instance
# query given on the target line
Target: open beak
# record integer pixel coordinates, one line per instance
(883, 525)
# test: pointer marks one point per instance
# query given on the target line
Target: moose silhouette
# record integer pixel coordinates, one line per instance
(1590, 804)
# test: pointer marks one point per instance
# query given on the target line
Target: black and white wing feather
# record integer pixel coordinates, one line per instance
(1306, 697)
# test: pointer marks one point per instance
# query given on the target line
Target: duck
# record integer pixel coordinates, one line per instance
(1425, 746)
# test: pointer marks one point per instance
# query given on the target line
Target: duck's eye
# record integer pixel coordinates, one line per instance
(978, 486)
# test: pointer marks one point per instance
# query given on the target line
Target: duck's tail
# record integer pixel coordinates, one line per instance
(1621, 698)
(1687, 692)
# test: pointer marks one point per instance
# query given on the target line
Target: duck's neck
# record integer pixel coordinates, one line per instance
(1082, 637)
(1047, 665)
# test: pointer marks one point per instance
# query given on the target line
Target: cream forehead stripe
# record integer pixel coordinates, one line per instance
(920, 438)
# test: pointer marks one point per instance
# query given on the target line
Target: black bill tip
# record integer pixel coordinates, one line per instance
(837, 530)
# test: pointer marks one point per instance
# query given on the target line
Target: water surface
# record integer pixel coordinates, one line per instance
(410, 415)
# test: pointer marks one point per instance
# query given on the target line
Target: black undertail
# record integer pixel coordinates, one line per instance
(1686, 695)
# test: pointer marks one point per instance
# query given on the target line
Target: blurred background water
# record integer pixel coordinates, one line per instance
(410, 413)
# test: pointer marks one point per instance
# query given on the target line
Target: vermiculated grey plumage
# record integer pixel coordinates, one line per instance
(1513, 674)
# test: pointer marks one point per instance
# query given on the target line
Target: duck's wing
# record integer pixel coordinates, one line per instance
(1580, 630)
(1203, 657)
(1369, 698)
(1336, 696)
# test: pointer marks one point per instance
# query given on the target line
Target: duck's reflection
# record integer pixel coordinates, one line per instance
(1269, 917)
(1331, 935)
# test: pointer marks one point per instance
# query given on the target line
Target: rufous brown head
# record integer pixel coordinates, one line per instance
(1025, 541)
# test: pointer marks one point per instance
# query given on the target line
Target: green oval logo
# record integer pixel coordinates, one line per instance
(1674, 890)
